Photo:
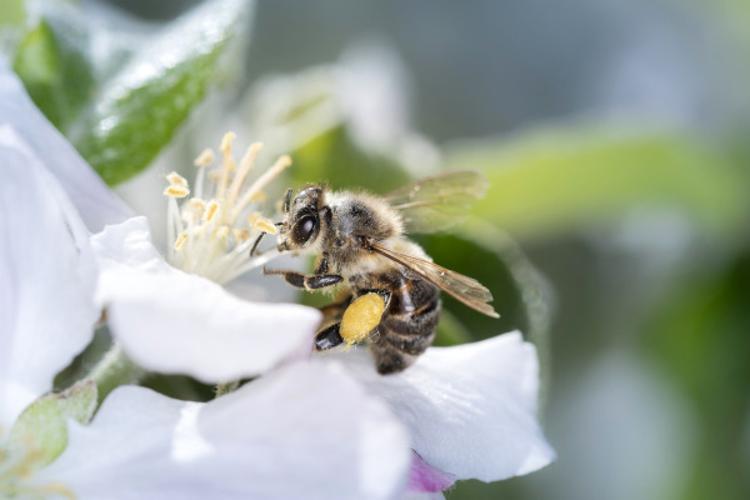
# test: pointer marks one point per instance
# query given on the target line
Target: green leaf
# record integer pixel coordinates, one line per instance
(141, 108)
(51, 61)
(552, 182)
(42, 428)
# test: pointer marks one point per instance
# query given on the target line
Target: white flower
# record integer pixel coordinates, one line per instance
(307, 421)
(470, 410)
(166, 319)
(301, 432)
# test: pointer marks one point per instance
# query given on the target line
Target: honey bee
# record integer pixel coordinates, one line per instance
(362, 247)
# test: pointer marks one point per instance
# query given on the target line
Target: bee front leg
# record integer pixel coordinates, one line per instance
(306, 281)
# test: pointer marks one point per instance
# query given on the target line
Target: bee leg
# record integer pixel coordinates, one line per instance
(335, 310)
(328, 338)
(322, 267)
(385, 294)
(306, 281)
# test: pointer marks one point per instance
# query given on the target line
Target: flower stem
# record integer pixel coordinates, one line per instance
(113, 370)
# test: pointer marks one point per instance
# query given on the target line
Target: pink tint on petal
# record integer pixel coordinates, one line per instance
(425, 478)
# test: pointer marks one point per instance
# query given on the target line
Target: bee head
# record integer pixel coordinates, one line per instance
(302, 218)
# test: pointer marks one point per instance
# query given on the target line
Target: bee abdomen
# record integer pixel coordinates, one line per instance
(403, 337)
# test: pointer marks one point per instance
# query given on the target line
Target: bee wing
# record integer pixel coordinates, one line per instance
(465, 289)
(436, 203)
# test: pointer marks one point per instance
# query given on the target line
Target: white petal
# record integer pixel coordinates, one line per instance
(173, 322)
(471, 409)
(47, 278)
(94, 201)
(304, 431)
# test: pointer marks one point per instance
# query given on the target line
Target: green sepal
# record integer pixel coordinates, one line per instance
(41, 431)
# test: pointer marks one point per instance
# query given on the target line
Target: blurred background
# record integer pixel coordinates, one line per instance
(614, 233)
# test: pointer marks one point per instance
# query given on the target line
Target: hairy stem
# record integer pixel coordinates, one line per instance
(113, 370)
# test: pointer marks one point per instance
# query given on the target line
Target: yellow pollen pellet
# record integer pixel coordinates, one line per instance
(179, 243)
(204, 159)
(361, 317)
(211, 209)
(174, 191)
(265, 225)
(176, 179)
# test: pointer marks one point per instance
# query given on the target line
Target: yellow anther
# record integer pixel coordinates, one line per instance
(252, 218)
(204, 159)
(226, 142)
(211, 209)
(241, 234)
(361, 317)
(265, 225)
(176, 179)
(179, 243)
(174, 191)
(197, 205)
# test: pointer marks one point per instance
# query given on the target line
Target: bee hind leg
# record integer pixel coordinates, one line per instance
(329, 337)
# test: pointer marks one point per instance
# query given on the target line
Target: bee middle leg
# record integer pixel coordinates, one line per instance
(306, 281)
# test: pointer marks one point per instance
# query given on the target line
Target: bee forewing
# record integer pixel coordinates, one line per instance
(465, 289)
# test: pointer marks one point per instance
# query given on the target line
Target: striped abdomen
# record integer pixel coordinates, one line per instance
(408, 326)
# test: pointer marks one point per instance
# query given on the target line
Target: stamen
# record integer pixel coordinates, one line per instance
(205, 159)
(259, 197)
(281, 164)
(222, 232)
(246, 164)
(175, 191)
(210, 236)
(211, 209)
(227, 163)
(265, 225)
(179, 243)
(176, 179)
(197, 206)
(241, 234)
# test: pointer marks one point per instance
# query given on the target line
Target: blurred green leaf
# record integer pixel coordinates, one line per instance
(450, 331)
(142, 107)
(12, 12)
(51, 61)
(555, 181)
(43, 428)
(333, 158)
(700, 336)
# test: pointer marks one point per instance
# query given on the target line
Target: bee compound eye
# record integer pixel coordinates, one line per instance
(305, 228)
